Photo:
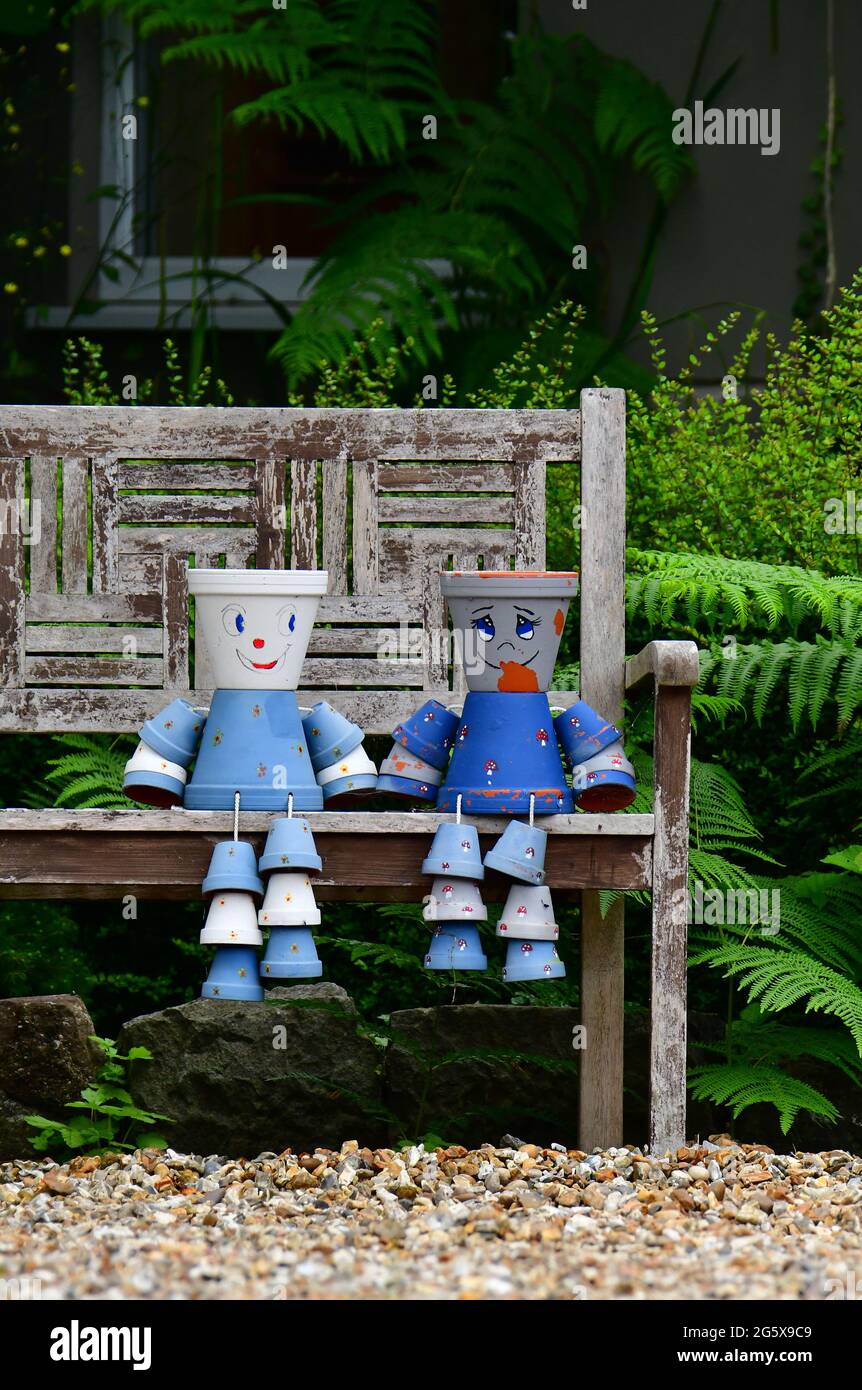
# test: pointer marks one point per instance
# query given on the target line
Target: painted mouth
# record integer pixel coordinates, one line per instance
(260, 665)
(526, 661)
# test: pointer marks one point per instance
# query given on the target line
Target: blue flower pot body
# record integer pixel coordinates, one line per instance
(233, 866)
(532, 960)
(233, 975)
(455, 946)
(583, 733)
(329, 735)
(520, 853)
(174, 732)
(429, 733)
(454, 851)
(253, 744)
(291, 955)
(290, 845)
(505, 750)
(153, 788)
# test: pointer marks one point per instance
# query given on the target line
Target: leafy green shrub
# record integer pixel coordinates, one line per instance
(112, 1120)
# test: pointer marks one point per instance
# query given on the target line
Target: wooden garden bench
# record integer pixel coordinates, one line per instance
(95, 637)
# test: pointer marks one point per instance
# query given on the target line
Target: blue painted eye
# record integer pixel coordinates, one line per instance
(292, 624)
(485, 628)
(233, 619)
(524, 628)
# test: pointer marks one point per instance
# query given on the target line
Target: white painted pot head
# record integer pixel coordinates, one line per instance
(256, 624)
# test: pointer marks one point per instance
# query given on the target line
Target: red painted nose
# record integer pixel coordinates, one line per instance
(258, 642)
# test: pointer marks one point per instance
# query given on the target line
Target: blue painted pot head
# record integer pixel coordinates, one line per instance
(290, 845)
(233, 866)
(255, 624)
(606, 782)
(329, 735)
(507, 625)
(174, 733)
(291, 955)
(455, 946)
(233, 975)
(428, 733)
(532, 960)
(520, 853)
(454, 851)
(583, 733)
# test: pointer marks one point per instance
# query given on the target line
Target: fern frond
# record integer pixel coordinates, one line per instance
(740, 1086)
(779, 979)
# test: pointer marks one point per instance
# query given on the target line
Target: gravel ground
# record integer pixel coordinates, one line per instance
(718, 1221)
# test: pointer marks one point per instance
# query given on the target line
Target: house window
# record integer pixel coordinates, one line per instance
(184, 209)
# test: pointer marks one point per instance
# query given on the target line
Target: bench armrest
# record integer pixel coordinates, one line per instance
(669, 663)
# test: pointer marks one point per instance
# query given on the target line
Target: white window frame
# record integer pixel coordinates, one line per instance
(134, 300)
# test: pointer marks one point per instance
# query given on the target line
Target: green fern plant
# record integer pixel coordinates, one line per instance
(483, 211)
(91, 774)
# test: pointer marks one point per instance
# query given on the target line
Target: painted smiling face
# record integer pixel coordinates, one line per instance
(258, 648)
(508, 626)
(255, 624)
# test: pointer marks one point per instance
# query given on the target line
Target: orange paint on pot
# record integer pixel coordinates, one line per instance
(559, 621)
(514, 676)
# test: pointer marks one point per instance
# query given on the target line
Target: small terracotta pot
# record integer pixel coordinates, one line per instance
(291, 955)
(606, 782)
(290, 845)
(152, 779)
(455, 946)
(454, 900)
(233, 975)
(289, 902)
(231, 921)
(528, 960)
(528, 909)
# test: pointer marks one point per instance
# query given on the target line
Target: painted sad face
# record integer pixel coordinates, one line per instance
(507, 639)
(263, 639)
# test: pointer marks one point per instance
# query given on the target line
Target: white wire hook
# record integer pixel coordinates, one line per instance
(236, 816)
(532, 807)
(290, 805)
(458, 810)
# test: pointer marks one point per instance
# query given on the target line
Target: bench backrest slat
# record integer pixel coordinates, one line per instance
(383, 499)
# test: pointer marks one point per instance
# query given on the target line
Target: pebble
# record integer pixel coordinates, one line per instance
(518, 1221)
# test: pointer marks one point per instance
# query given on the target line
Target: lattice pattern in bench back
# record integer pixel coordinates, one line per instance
(93, 605)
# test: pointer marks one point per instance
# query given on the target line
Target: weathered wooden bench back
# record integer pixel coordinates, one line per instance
(104, 506)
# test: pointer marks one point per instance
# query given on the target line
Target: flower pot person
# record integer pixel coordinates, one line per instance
(256, 626)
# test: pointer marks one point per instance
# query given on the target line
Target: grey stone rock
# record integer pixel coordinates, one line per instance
(45, 1059)
(240, 1078)
(14, 1133)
